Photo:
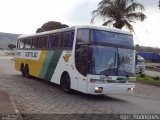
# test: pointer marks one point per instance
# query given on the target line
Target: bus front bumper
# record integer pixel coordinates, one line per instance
(114, 88)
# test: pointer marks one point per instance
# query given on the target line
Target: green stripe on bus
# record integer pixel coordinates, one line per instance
(46, 64)
(52, 65)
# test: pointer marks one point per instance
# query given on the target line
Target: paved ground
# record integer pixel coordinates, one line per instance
(34, 96)
(6, 104)
(152, 73)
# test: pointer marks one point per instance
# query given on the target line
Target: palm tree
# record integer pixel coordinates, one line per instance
(120, 13)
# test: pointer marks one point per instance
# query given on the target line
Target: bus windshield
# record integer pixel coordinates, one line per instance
(111, 61)
(112, 53)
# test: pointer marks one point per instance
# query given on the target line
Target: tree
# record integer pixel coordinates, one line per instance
(11, 46)
(159, 4)
(119, 13)
(51, 25)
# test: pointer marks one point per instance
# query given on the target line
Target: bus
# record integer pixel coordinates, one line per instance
(90, 59)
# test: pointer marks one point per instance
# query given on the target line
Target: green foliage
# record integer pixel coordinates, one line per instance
(147, 49)
(11, 46)
(156, 78)
(148, 80)
(142, 75)
(119, 13)
(51, 25)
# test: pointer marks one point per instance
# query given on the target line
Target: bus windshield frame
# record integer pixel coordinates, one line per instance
(122, 59)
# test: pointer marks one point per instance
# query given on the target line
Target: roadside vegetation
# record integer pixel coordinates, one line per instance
(148, 79)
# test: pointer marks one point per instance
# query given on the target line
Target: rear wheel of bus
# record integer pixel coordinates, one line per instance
(25, 71)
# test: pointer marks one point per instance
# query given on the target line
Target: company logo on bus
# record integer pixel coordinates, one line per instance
(66, 57)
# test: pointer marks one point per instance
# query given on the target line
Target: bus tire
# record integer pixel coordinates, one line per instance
(65, 83)
(22, 70)
(26, 71)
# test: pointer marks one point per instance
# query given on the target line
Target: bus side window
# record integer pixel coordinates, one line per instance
(53, 41)
(21, 43)
(35, 42)
(67, 39)
(18, 44)
(42, 42)
(83, 36)
(28, 43)
(71, 39)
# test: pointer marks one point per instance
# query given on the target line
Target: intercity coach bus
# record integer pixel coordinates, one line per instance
(90, 59)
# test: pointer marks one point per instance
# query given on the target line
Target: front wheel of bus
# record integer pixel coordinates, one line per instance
(65, 83)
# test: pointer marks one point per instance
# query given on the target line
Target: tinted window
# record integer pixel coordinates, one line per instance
(67, 39)
(83, 36)
(112, 38)
(27, 42)
(42, 42)
(35, 42)
(53, 41)
(21, 43)
(18, 44)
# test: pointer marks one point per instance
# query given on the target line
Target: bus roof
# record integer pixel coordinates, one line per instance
(77, 27)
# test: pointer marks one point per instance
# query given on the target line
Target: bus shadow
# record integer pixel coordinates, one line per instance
(78, 94)
(97, 97)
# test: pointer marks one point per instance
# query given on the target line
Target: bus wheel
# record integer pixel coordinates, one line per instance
(65, 83)
(22, 70)
(26, 71)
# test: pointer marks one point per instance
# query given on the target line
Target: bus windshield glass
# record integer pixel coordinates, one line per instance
(100, 36)
(111, 61)
(104, 53)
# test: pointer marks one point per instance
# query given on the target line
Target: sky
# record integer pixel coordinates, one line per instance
(25, 16)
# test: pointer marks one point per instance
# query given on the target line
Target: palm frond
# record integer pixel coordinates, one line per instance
(136, 16)
(94, 13)
(108, 22)
(129, 26)
(105, 2)
(134, 6)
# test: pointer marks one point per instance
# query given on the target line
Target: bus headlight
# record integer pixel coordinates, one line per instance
(130, 89)
(98, 89)
(97, 81)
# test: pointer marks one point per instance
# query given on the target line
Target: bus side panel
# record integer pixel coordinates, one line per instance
(67, 66)
(50, 64)
(35, 65)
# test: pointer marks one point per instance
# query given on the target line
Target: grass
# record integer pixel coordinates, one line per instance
(148, 79)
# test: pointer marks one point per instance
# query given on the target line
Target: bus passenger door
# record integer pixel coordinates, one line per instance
(83, 68)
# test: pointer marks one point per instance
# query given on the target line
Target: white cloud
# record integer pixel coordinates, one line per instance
(148, 31)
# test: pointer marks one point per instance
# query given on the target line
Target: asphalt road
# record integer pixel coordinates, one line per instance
(34, 96)
(152, 73)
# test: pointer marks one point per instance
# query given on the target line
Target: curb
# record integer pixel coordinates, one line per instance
(19, 116)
